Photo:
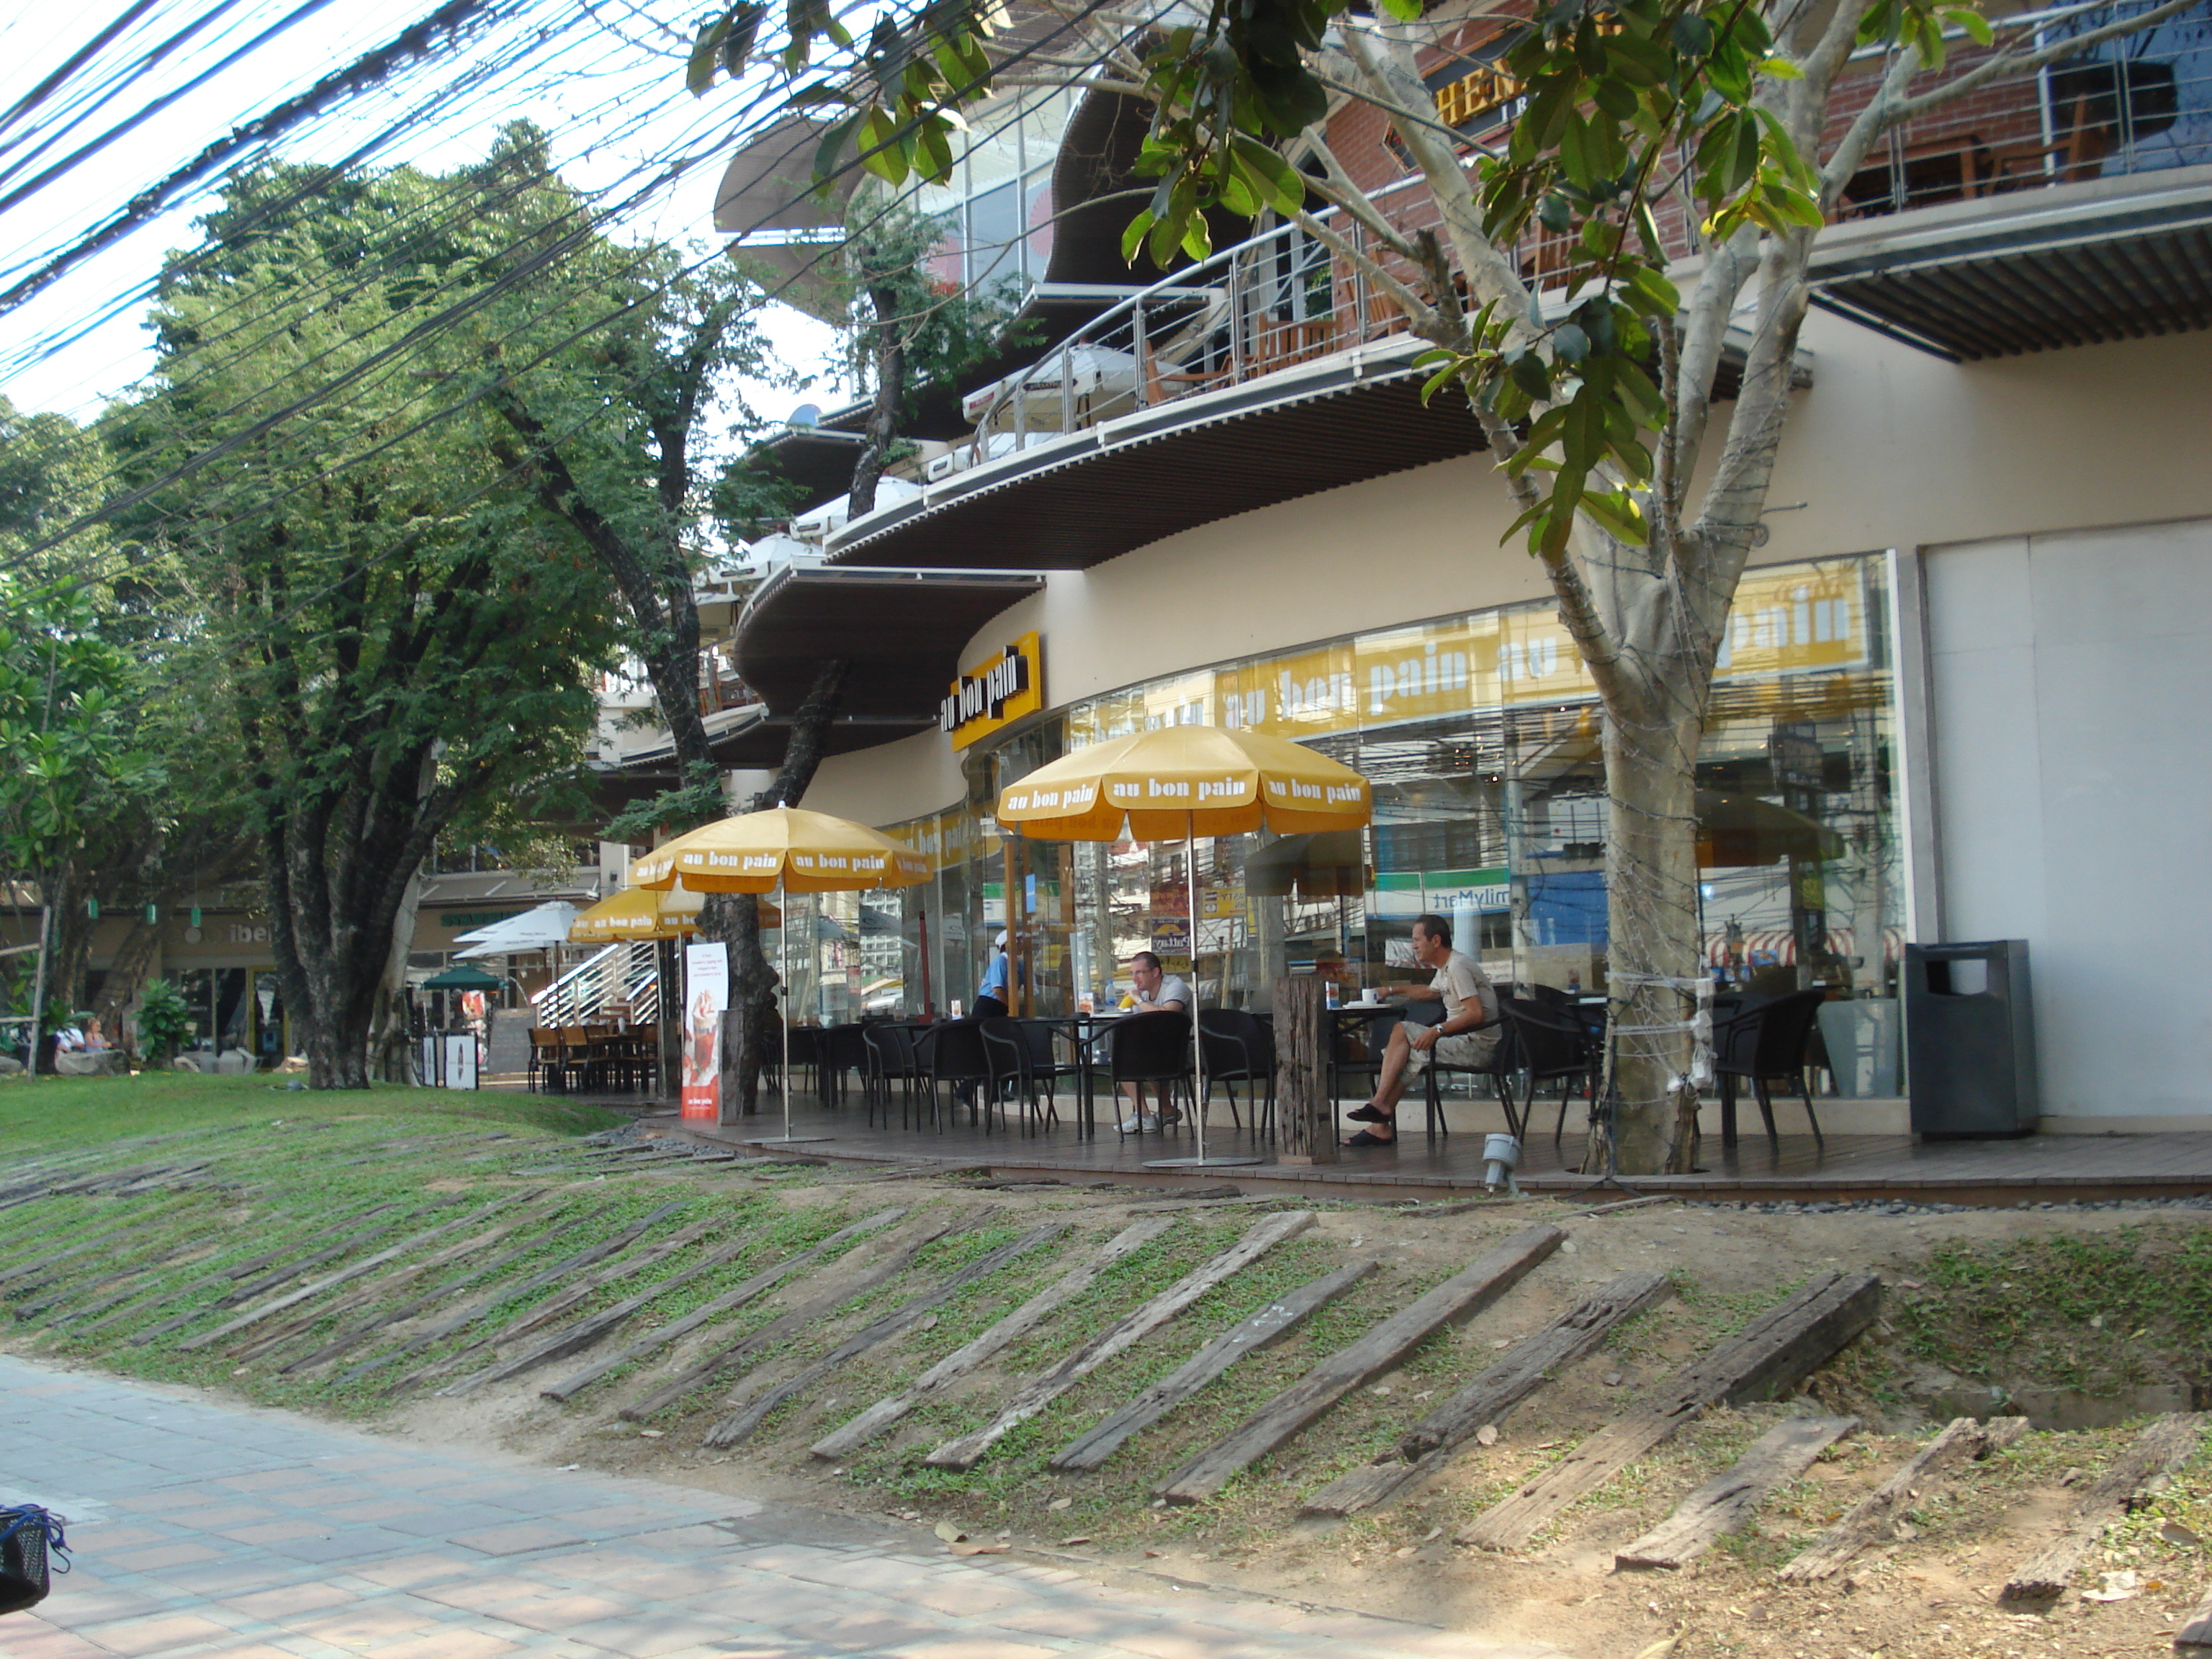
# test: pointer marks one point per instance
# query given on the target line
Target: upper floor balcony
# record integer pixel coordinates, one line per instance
(2061, 207)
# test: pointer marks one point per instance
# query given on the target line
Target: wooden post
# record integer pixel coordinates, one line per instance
(1302, 1054)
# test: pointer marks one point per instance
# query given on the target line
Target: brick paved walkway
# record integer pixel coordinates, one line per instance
(209, 1531)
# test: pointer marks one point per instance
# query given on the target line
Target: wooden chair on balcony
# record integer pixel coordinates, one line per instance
(1279, 343)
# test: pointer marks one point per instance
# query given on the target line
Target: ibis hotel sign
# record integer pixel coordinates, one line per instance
(995, 693)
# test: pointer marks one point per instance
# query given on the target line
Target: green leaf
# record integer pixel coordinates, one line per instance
(832, 147)
(1570, 344)
(879, 154)
(1972, 20)
(1283, 189)
(1443, 377)
(1529, 374)
(699, 70)
(1617, 513)
(1575, 153)
(1692, 36)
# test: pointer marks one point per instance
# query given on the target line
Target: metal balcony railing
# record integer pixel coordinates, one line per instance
(2139, 104)
(1283, 299)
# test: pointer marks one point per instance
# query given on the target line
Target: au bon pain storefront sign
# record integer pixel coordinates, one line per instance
(1792, 619)
(994, 693)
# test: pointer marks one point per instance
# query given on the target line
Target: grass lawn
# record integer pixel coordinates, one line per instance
(53, 1112)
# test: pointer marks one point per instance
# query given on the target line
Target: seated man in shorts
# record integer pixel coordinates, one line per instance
(1466, 1036)
(1156, 991)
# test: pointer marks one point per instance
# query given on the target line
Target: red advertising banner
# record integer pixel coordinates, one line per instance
(706, 994)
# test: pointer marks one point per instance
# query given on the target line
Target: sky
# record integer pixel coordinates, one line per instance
(604, 78)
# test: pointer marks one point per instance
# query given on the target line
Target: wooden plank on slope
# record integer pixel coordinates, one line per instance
(331, 1282)
(1724, 1503)
(778, 1331)
(1262, 1329)
(2138, 1471)
(740, 1424)
(1775, 1352)
(1424, 1450)
(1033, 1396)
(375, 1290)
(1463, 1296)
(759, 1284)
(500, 1295)
(1870, 1520)
(344, 1340)
(576, 1338)
(962, 1360)
(301, 1266)
(573, 1296)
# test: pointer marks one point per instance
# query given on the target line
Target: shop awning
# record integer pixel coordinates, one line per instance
(2075, 264)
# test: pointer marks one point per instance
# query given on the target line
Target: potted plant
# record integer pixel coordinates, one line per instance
(164, 1022)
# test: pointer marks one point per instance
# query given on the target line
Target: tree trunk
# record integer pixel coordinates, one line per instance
(1652, 918)
(70, 948)
(394, 1040)
(753, 978)
(333, 927)
(890, 391)
(128, 972)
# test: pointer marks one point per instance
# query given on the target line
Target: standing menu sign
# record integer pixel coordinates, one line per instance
(706, 995)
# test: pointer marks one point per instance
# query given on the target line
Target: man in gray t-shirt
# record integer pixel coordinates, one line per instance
(1157, 991)
(1466, 1036)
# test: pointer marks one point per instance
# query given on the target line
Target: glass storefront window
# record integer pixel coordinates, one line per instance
(1481, 735)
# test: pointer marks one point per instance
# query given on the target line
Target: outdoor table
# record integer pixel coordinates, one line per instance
(1083, 1032)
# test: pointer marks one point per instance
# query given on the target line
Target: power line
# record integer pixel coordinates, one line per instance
(422, 332)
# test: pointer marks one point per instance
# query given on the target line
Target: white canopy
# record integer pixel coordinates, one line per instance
(533, 930)
(1089, 369)
(830, 518)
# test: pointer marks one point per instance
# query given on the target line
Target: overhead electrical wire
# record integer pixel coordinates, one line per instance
(674, 166)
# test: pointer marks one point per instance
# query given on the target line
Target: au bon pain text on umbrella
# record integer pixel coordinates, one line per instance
(785, 846)
(787, 850)
(1180, 782)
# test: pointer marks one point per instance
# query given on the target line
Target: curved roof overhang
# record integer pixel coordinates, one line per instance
(900, 631)
(2073, 264)
(1078, 500)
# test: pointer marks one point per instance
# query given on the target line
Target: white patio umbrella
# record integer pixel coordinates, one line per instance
(537, 929)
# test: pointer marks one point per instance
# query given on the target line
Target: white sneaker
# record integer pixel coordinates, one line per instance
(1138, 1123)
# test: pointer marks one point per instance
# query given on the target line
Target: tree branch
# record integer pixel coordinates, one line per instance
(1397, 89)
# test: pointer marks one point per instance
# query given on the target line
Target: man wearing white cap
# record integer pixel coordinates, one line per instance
(991, 995)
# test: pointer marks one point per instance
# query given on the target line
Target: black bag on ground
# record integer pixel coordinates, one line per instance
(31, 1547)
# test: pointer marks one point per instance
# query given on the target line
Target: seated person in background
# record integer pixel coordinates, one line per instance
(1466, 1036)
(1156, 992)
(95, 1040)
(69, 1037)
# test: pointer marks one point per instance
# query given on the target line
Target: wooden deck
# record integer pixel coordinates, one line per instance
(2036, 1169)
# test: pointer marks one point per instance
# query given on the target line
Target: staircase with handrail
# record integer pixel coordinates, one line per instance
(627, 972)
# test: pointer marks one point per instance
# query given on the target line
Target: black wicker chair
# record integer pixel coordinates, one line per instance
(1767, 1042)
(1151, 1048)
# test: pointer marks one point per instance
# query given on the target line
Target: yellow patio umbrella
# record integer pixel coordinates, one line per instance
(781, 848)
(636, 913)
(785, 850)
(1186, 781)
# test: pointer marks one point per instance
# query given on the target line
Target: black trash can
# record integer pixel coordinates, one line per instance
(1970, 1039)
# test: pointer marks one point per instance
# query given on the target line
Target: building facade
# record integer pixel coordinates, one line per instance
(1963, 680)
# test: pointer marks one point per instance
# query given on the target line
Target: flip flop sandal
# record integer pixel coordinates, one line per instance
(1362, 1138)
(1369, 1115)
